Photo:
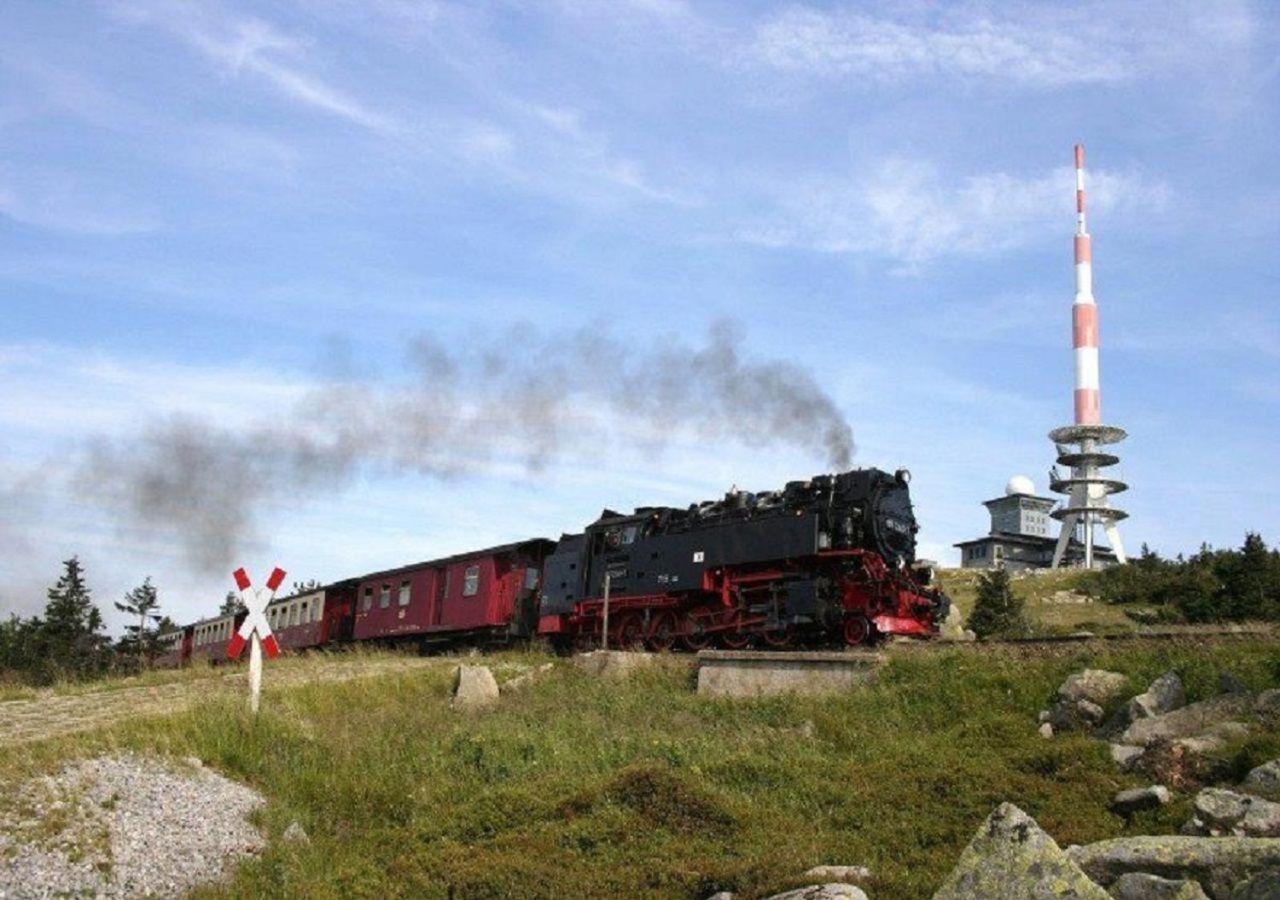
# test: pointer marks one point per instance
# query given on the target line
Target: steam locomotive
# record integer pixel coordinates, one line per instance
(823, 560)
(831, 557)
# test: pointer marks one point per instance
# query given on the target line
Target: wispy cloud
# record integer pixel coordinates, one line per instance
(839, 43)
(248, 45)
(906, 210)
(64, 202)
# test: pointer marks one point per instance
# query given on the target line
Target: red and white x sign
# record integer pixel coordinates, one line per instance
(256, 602)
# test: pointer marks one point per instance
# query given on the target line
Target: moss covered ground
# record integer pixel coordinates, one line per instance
(584, 787)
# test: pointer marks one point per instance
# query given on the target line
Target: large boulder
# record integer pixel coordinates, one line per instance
(1218, 812)
(1098, 686)
(1163, 695)
(1126, 803)
(1188, 721)
(1264, 781)
(1263, 886)
(1141, 886)
(474, 687)
(1217, 863)
(1011, 857)
(823, 892)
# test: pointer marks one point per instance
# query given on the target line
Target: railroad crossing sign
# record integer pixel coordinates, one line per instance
(255, 629)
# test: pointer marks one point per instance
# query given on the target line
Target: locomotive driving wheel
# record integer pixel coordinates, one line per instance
(662, 630)
(695, 636)
(857, 630)
(778, 638)
(628, 634)
(735, 640)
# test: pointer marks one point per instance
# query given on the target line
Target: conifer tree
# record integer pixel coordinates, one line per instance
(231, 604)
(142, 601)
(997, 610)
(72, 628)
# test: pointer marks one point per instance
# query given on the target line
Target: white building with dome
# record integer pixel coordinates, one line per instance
(1021, 533)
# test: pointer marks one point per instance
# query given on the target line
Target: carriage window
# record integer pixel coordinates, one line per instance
(629, 535)
(471, 581)
(404, 593)
(384, 597)
(316, 609)
(304, 614)
(293, 614)
(368, 598)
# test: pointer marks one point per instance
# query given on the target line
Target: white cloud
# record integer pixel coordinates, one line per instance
(908, 211)
(62, 201)
(812, 41)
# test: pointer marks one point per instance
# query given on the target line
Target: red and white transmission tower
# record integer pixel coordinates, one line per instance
(1087, 489)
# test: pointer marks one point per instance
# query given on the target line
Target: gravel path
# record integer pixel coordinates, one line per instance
(51, 715)
(124, 826)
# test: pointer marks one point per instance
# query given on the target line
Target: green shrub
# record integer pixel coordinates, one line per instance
(997, 610)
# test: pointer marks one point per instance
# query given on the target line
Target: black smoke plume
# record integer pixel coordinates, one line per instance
(522, 397)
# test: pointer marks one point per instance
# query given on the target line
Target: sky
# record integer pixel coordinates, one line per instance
(237, 229)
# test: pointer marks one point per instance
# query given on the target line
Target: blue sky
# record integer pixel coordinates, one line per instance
(208, 210)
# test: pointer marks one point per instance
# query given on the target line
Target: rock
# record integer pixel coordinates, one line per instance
(723, 895)
(1046, 730)
(1264, 781)
(1089, 712)
(1163, 695)
(613, 662)
(295, 834)
(1043, 716)
(832, 891)
(1126, 803)
(1217, 863)
(1263, 886)
(1126, 755)
(1098, 686)
(1011, 857)
(524, 679)
(1184, 764)
(1217, 812)
(970, 634)
(1268, 703)
(842, 874)
(1188, 721)
(1230, 684)
(194, 762)
(474, 688)
(1141, 886)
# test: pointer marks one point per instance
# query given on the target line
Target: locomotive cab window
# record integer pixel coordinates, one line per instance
(384, 597)
(629, 535)
(471, 581)
(404, 593)
(530, 578)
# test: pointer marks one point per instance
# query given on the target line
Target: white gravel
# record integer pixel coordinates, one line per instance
(123, 826)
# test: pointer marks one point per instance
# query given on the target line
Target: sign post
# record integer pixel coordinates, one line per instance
(604, 630)
(255, 630)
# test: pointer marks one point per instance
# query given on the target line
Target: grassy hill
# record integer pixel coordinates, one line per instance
(1052, 600)
(585, 787)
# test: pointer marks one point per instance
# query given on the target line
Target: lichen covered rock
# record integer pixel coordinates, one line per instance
(1011, 857)
(1218, 864)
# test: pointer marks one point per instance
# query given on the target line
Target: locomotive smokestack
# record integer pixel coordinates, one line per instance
(1084, 315)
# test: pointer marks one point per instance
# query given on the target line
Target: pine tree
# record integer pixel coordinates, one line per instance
(997, 610)
(72, 627)
(141, 639)
(231, 604)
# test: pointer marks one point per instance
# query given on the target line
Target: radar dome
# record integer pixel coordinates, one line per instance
(1019, 484)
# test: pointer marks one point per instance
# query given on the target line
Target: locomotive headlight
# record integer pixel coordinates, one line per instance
(824, 541)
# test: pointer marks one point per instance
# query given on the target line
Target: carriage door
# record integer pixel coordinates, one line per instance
(439, 587)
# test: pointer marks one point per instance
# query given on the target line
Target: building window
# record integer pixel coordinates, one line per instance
(384, 597)
(471, 581)
(367, 602)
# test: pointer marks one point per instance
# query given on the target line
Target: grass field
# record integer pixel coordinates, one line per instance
(1038, 592)
(585, 787)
